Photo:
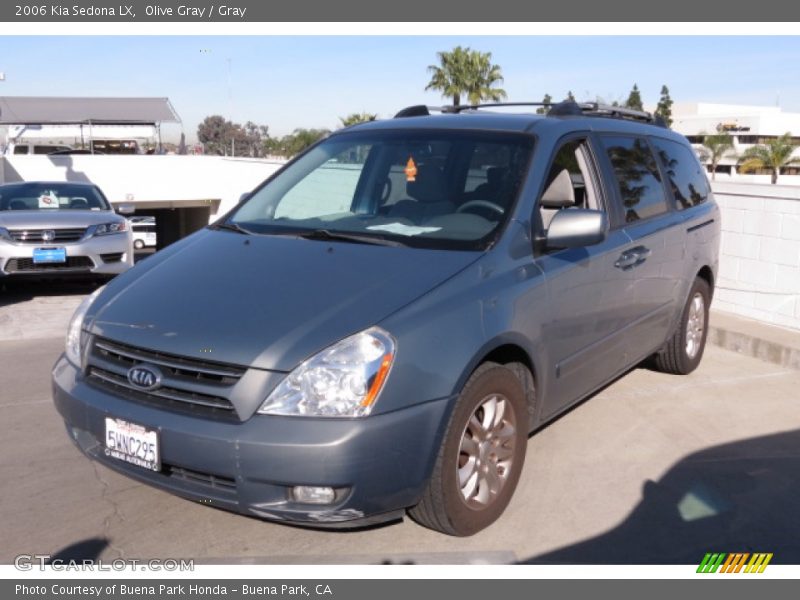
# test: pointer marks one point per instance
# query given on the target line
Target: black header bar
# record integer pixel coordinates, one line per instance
(251, 11)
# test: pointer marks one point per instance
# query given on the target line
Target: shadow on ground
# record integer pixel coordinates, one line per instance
(21, 290)
(89, 549)
(737, 497)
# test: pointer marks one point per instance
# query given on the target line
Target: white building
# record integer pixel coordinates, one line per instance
(747, 125)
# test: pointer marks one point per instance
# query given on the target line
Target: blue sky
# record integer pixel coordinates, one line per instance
(289, 82)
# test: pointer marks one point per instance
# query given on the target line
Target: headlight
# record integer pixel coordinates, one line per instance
(341, 381)
(108, 228)
(4, 235)
(75, 329)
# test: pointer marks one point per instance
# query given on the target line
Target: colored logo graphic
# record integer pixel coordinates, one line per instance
(734, 563)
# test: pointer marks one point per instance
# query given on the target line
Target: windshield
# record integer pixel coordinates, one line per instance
(51, 196)
(420, 188)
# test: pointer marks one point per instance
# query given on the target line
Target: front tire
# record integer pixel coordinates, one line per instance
(138, 244)
(480, 461)
(684, 350)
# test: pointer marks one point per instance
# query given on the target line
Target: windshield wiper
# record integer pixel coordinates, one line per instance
(231, 226)
(339, 236)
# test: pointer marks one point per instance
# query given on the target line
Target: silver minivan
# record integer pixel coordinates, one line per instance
(379, 326)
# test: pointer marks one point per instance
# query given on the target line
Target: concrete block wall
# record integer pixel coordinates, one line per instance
(759, 274)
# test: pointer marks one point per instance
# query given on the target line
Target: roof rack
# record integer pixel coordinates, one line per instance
(567, 108)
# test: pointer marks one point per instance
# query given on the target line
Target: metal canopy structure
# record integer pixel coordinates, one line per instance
(41, 110)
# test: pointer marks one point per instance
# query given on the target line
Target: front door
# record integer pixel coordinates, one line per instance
(589, 298)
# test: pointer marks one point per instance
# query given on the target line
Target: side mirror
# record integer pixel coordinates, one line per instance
(127, 208)
(576, 227)
(244, 197)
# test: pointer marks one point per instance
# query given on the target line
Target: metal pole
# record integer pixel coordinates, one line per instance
(230, 105)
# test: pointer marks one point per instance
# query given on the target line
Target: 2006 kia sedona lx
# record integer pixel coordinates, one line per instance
(380, 325)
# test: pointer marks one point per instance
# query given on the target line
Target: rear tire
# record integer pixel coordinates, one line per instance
(684, 350)
(138, 244)
(481, 457)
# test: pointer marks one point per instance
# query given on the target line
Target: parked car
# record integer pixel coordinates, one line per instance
(58, 229)
(144, 233)
(381, 324)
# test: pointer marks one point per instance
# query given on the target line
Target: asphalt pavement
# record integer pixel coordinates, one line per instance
(654, 468)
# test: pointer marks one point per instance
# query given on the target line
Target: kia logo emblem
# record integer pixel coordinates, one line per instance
(144, 377)
(48, 235)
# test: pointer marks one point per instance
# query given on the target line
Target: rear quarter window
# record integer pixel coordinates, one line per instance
(637, 176)
(685, 176)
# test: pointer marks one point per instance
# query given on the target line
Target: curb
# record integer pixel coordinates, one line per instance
(752, 338)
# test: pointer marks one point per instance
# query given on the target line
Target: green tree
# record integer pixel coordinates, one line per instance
(214, 134)
(664, 108)
(354, 118)
(634, 100)
(295, 142)
(222, 137)
(771, 155)
(715, 147)
(466, 72)
(254, 137)
(547, 100)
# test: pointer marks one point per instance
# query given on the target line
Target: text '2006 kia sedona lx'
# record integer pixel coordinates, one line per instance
(380, 325)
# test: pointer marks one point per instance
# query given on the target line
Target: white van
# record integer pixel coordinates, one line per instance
(144, 234)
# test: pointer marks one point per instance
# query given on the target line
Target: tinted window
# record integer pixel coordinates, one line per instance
(637, 177)
(684, 174)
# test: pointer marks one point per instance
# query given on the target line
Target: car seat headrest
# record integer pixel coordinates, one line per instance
(560, 193)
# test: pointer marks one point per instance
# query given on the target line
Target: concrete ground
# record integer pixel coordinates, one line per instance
(654, 468)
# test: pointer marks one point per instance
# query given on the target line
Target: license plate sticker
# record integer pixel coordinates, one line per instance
(132, 443)
(49, 255)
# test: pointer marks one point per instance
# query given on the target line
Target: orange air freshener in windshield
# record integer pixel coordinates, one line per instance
(411, 170)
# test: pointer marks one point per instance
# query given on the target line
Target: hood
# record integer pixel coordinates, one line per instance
(40, 219)
(264, 301)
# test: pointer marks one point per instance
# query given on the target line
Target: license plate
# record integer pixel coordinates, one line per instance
(49, 255)
(132, 443)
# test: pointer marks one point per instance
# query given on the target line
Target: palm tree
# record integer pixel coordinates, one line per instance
(482, 77)
(714, 148)
(771, 155)
(354, 118)
(464, 71)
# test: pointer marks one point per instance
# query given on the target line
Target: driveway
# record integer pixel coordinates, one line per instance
(654, 468)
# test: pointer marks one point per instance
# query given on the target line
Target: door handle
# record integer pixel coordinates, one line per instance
(626, 260)
(633, 258)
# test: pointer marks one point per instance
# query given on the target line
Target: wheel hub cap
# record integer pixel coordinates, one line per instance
(486, 453)
(695, 325)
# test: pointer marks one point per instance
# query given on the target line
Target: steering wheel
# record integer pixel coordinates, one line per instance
(481, 204)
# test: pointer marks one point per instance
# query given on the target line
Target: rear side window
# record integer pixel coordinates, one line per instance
(637, 176)
(685, 176)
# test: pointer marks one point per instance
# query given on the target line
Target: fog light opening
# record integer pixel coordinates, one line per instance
(309, 494)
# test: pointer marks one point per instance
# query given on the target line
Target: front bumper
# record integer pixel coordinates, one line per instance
(103, 255)
(379, 464)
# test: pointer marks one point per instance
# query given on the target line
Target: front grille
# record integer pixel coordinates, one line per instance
(214, 481)
(111, 258)
(26, 265)
(36, 236)
(190, 386)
